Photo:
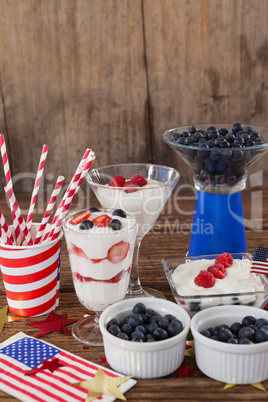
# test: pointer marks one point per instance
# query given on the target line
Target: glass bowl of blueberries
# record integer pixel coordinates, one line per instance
(219, 154)
(144, 337)
(231, 343)
(232, 285)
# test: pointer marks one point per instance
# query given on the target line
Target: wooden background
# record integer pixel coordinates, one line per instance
(113, 75)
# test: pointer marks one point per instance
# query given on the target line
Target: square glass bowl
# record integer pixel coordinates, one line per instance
(196, 302)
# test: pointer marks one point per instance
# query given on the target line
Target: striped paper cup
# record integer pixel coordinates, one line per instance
(31, 276)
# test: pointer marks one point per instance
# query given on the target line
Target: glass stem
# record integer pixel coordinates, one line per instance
(134, 287)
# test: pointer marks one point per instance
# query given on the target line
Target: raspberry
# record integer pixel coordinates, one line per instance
(229, 258)
(117, 181)
(132, 187)
(138, 179)
(217, 270)
(204, 279)
(222, 259)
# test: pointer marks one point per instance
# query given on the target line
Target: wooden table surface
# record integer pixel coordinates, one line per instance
(160, 243)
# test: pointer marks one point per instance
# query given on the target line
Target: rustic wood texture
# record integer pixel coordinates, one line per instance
(113, 75)
(170, 237)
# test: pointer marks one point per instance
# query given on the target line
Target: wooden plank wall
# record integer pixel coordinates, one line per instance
(113, 75)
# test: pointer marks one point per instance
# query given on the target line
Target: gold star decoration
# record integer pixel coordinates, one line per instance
(189, 351)
(102, 384)
(257, 385)
(6, 318)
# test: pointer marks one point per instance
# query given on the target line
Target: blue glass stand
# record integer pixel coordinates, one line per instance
(218, 224)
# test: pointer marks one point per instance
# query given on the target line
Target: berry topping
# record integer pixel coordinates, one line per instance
(217, 270)
(115, 279)
(86, 224)
(229, 258)
(118, 252)
(102, 221)
(119, 212)
(138, 180)
(77, 250)
(94, 209)
(117, 181)
(224, 260)
(204, 279)
(132, 187)
(79, 218)
(116, 224)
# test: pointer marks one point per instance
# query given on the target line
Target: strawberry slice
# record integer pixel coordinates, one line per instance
(78, 251)
(102, 221)
(118, 252)
(117, 181)
(139, 179)
(81, 217)
(115, 279)
(129, 184)
(97, 260)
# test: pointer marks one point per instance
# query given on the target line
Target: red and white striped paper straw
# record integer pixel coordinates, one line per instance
(6, 230)
(38, 178)
(8, 178)
(49, 209)
(4, 239)
(72, 189)
(16, 210)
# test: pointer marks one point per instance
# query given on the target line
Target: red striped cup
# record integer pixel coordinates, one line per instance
(31, 276)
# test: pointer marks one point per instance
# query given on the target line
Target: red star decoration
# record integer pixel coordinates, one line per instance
(53, 323)
(186, 371)
(103, 360)
(50, 365)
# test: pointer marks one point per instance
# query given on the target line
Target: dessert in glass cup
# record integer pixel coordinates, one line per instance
(100, 245)
(139, 189)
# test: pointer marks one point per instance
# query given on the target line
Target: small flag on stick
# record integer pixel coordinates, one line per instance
(260, 261)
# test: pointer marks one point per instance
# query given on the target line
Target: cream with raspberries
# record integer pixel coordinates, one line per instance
(145, 202)
(100, 246)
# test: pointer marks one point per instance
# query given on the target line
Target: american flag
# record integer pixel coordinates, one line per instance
(22, 352)
(260, 260)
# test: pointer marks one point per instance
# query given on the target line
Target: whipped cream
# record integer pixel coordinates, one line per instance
(100, 260)
(145, 204)
(237, 280)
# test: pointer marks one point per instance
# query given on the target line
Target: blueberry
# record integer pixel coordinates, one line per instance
(239, 141)
(232, 340)
(154, 318)
(114, 321)
(139, 308)
(216, 331)
(152, 327)
(185, 134)
(119, 212)
(127, 328)
(235, 301)
(246, 332)
(142, 329)
(197, 136)
(123, 335)
(149, 313)
(116, 224)
(235, 327)
(215, 338)
(137, 336)
(85, 225)
(261, 335)
(225, 334)
(237, 127)
(181, 140)
(245, 341)
(163, 323)
(248, 129)
(126, 319)
(192, 129)
(250, 143)
(174, 328)
(203, 145)
(114, 329)
(211, 128)
(160, 334)
(211, 143)
(195, 306)
(260, 322)
(249, 319)
(149, 338)
(230, 137)
(94, 209)
(175, 136)
(245, 137)
(223, 131)
(169, 317)
(254, 134)
(206, 333)
(223, 144)
(135, 320)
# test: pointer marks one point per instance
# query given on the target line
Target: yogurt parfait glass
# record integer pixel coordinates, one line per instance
(144, 202)
(100, 246)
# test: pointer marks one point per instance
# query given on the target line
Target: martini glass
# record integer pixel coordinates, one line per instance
(145, 203)
(219, 173)
(100, 260)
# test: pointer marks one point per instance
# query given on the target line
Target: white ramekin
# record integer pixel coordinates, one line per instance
(229, 363)
(144, 360)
